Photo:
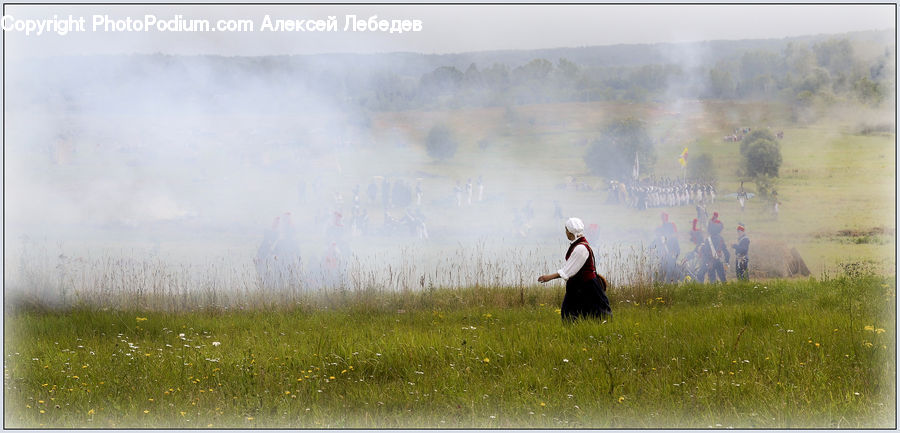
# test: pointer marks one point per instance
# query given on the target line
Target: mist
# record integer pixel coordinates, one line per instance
(305, 171)
(189, 160)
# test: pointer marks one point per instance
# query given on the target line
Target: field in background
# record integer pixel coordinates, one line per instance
(784, 354)
(837, 189)
(455, 332)
(837, 183)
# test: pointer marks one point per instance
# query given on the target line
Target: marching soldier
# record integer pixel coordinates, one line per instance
(742, 196)
(741, 255)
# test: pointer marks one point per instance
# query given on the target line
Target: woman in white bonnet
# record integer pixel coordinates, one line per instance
(585, 288)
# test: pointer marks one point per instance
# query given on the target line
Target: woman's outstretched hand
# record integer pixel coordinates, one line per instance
(545, 278)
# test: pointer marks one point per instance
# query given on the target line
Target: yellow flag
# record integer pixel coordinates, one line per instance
(683, 158)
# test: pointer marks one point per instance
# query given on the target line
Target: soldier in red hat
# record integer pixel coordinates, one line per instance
(696, 233)
(715, 226)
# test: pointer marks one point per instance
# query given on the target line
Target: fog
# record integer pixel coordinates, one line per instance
(178, 173)
(188, 161)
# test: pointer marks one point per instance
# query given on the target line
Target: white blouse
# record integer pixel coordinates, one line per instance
(574, 263)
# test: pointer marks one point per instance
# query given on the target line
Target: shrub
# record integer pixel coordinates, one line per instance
(441, 143)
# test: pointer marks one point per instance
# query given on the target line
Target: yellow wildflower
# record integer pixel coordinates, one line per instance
(542, 404)
(869, 328)
(879, 330)
(621, 398)
(91, 412)
(140, 319)
(486, 360)
(146, 411)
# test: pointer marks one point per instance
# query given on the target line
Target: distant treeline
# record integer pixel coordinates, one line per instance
(795, 71)
(854, 66)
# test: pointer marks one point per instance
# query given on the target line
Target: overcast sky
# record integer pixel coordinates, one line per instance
(446, 28)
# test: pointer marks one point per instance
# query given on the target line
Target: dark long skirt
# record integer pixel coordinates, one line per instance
(585, 299)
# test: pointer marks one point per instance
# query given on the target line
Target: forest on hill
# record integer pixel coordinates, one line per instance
(802, 71)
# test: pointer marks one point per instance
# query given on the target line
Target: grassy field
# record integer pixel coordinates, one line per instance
(781, 353)
(142, 342)
(837, 184)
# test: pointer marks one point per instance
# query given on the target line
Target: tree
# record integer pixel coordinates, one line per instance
(753, 136)
(568, 70)
(763, 158)
(533, 71)
(443, 79)
(799, 60)
(441, 143)
(868, 91)
(721, 83)
(702, 167)
(496, 77)
(472, 77)
(759, 63)
(836, 55)
(612, 154)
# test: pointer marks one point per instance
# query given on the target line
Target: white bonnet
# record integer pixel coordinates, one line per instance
(575, 226)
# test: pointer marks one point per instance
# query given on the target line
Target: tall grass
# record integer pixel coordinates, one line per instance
(135, 279)
(791, 354)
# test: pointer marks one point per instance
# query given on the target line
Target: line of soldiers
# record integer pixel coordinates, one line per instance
(660, 193)
(709, 258)
(469, 190)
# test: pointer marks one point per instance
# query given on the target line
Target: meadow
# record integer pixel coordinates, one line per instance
(810, 353)
(443, 334)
